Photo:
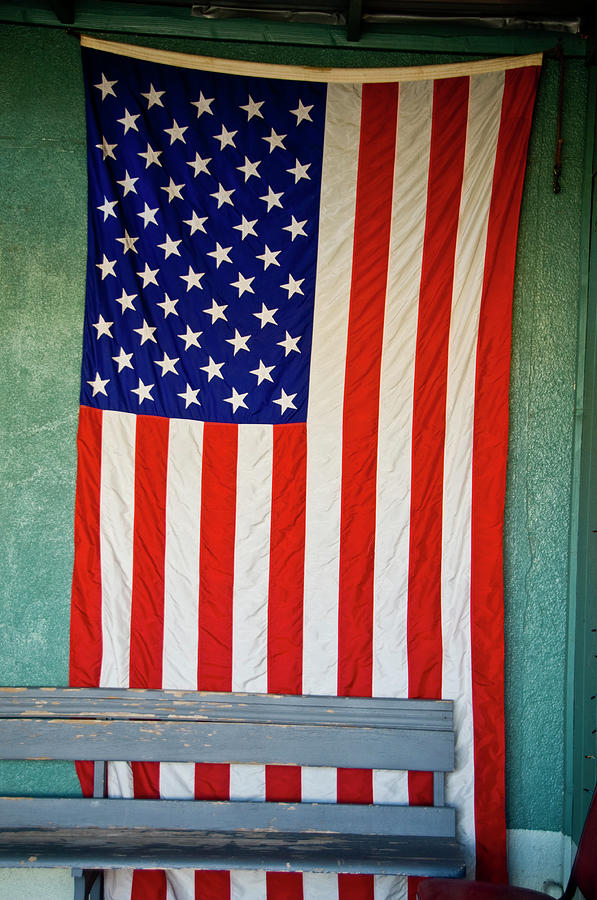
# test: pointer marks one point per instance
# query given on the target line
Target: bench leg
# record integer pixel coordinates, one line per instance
(79, 879)
(88, 884)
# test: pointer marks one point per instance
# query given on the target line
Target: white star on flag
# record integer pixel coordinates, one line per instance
(243, 284)
(253, 109)
(98, 385)
(148, 275)
(190, 396)
(203, 104)
(129, 121)
(167, 364)
(216, 311)
(169, 306)
(148, 215)
(290, 344)
(295, 228)
(173, 190)
(128, 242)
(226, 138)
(108, 207)
(176, 132)
(302, 113)
(143, 391)
(272, 199)
(126, 301)
(269, 257)
(275, 140)
(300, 171)
(293, 286)
(193, 279)
(199, 164)
(153, 97)
(246, 227)
(239, 341)
(249, 168)
(170, 247)
(146, 332)
(266, 315)
(223, 196)
(263, 372)
(285, 401)
(151, 156)
(106, 267)
(103, 327)
(107, 149)
(191, 338)
(195, 223)
(106, 87)
(212, 369)
(236, 400)
(128, 184)
(220, 254)
(123, 360)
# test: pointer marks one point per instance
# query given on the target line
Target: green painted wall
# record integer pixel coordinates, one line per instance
(42, 217)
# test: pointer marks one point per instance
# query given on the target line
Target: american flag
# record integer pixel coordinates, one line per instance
(293, 423)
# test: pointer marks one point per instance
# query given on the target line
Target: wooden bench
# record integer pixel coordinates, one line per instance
(90, 834)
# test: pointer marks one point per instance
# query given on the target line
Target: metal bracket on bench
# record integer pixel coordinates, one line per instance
(439, 788)
(99, 778)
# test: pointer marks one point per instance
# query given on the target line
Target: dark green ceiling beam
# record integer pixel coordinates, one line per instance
(176, 21)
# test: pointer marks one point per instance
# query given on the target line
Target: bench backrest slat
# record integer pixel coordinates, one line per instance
(188, 815)
(310, 745)
(275, 709)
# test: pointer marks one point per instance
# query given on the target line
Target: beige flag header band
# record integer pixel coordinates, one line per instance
(313, 73)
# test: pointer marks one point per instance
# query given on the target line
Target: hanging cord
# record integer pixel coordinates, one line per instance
(557, 168)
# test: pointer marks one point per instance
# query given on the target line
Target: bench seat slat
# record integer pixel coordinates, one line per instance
(275, 709)
(309, 745)
(26, 813)
(314, 852)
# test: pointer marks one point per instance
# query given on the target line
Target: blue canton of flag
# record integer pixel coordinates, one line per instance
(203, 221)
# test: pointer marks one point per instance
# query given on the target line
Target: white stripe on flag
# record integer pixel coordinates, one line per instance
(391, 887)
(326, 390)
(181, 605)
(180, 884)
(324, 426)
(117, 507)
(249, 637)
(181, 568)
(483, 127)
(248, 885)
(118, 883)
(251, 558)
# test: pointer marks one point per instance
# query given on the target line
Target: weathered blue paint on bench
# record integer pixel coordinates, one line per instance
(168, 726)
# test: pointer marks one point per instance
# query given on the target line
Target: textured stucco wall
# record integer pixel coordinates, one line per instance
(542, 393)
(43, 203)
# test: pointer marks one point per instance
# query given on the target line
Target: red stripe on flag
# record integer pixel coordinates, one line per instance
(216, 582)
(147, 602)
(149, 547)
(490, 444)
(86, 610)
(86, 605)
(446, 165)
(285, 612)
(373, 213)
(216, 559)
(287, 558)
(361, 389)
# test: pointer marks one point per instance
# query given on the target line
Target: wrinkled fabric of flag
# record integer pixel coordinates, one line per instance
(293, 423)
